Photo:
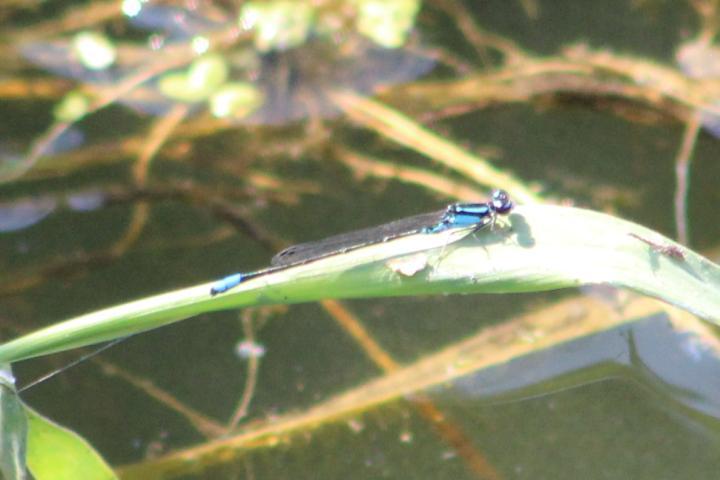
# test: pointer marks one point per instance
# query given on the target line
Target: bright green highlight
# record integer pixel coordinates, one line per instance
(204, 76)
(94, 50)
(236, 100)
(278, 25)
(387, 22)
(73, 106)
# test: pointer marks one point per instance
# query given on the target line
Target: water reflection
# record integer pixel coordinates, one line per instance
(295, 82)
(86, 201)
(25, 212)
(70, 139)
(58, 57)
(700, 59)
(678, 366)
(176, 24)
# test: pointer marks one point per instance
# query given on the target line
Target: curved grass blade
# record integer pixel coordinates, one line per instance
(541, 248)
(13, 429)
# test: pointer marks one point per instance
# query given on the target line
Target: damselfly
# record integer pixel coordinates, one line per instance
(457, 215)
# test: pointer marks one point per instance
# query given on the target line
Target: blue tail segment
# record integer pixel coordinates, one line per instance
(225, 284)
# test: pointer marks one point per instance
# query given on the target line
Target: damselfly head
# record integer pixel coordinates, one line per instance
(501, 202)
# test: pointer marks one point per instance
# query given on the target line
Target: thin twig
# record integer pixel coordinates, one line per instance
(682, 173)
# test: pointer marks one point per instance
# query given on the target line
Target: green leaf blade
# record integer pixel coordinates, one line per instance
(57, 453)
(540, 247)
